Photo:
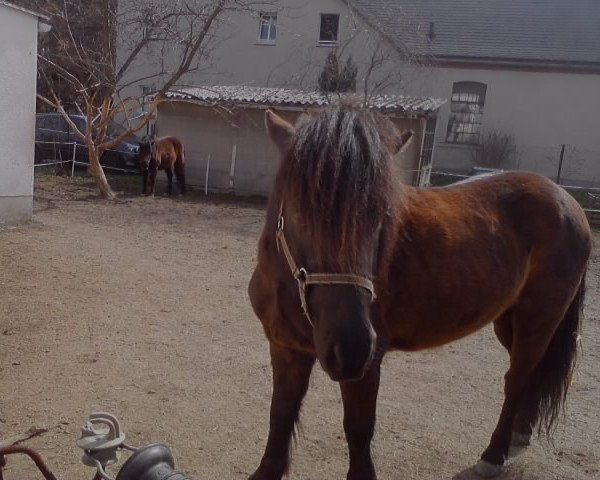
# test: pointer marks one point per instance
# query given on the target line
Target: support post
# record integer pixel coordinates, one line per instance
(560, 163)
(73, 159)
(232, 169)
(206, 177)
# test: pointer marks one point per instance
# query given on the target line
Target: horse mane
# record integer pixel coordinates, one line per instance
(337, 177)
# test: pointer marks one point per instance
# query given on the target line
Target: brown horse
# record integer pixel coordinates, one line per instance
(353, 264)
(162, 154)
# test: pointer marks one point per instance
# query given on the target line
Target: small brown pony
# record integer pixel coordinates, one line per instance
(162, 154)
(353, 264)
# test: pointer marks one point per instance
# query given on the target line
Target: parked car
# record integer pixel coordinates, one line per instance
(55, 140)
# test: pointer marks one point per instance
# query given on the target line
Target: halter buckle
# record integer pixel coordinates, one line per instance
(301, 275)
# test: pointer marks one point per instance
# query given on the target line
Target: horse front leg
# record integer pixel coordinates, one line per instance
(152, 178)
(291, 374)
(360, 404)
(145, 181)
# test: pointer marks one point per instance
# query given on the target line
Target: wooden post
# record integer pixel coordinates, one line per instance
(232, 169)
(206, 178)
(73, 159)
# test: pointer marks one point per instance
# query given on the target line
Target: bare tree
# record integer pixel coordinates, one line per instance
(103, 78)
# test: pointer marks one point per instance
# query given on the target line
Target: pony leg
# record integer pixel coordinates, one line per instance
(180, 174)
(145, 182)
(525, 421)
(492, 459)
(541, 357)
(549, 385)
(291, 374)
(527, 413)
(152, 178)
(169, 173)
(360, 402)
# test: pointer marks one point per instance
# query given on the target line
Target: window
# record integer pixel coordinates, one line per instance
(146, 91)
(328, 33)
(466, 111)
(267, 28)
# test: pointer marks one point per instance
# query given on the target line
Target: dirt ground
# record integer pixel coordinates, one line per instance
(139, 308)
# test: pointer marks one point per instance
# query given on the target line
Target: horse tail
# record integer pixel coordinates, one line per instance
(180, 166)
(553, 375)
(181, 152)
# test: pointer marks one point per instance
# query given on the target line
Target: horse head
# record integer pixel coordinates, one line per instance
(146, 152)
(332, 195)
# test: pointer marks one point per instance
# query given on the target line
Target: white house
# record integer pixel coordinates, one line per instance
(18, 57)
(524, 70)
(529, 69)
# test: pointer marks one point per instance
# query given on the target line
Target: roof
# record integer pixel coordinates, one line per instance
(24, 10)
(285, 97)
(551, 32)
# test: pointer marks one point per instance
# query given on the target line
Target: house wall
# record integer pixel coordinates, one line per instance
(542, 110)
(235, 56)
(210, 131)
(18, 37)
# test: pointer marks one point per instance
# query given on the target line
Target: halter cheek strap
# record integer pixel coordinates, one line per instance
(306, 279)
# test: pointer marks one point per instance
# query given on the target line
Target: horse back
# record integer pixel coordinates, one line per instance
(465, 254)
(169, 152)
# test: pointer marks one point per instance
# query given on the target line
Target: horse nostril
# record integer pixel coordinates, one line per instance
(335, 361)
(348, 360)
(337, 351)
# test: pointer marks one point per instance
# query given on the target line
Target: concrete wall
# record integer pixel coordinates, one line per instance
(542, 110)
(18, 55)
(208, 131)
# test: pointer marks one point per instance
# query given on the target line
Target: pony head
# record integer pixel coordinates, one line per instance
(146, 152)
(333, 192)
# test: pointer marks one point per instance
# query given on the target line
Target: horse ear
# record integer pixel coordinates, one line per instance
(400, 142)
(280, 131)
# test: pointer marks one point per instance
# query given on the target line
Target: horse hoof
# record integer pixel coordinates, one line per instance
(487, 470)
(515, 451)
(520, 439)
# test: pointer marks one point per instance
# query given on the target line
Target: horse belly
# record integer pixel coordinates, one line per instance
(432, 321)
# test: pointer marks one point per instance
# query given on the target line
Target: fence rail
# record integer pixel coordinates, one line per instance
(72, 161)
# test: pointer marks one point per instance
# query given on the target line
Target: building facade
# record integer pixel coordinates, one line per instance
(18, 37)
(520, 76)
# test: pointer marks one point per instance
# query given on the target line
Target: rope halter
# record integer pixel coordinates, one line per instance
(306, 279)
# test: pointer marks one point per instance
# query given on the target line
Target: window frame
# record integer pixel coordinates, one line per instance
(465, 119)
(268, 19)
(329, 43)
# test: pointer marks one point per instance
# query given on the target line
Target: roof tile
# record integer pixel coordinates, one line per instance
(536, 31)
(286, 97)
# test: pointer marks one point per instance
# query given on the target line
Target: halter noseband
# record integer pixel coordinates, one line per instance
(306, 279)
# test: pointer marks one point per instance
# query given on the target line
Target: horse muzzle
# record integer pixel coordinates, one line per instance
(348, 354)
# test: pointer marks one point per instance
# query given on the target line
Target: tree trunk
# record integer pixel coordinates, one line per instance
(98, 173)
